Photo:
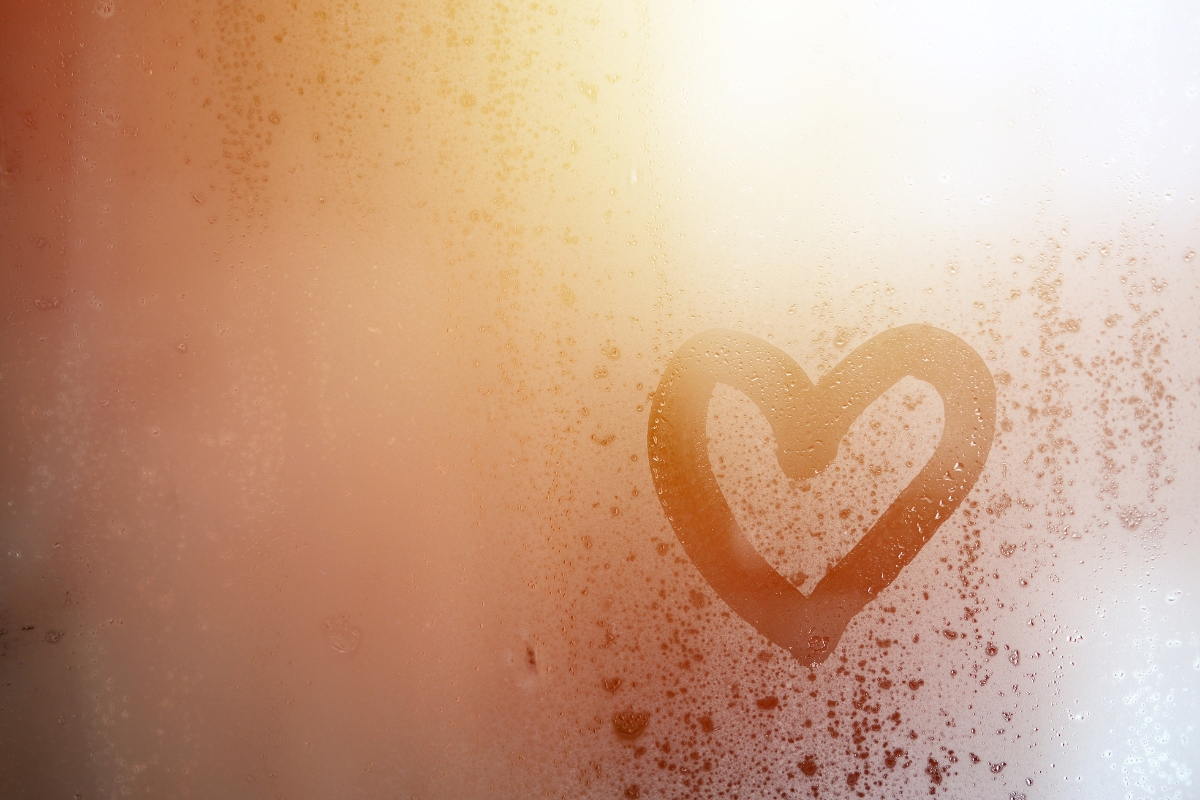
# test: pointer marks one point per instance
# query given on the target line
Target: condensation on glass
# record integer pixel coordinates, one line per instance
(338, 336)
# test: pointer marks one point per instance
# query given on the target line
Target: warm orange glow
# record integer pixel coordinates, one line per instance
(333, 332)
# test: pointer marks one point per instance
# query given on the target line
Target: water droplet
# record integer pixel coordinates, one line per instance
(630, 723)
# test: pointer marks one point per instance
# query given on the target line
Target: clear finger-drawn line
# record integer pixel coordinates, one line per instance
(809, 420)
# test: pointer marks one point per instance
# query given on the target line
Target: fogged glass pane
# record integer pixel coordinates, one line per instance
(616, 400)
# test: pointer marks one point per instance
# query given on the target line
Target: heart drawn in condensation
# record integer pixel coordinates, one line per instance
(809, 420)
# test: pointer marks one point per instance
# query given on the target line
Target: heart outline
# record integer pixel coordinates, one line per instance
(809, 421)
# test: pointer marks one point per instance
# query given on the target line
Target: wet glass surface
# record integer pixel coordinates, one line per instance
(338, 336)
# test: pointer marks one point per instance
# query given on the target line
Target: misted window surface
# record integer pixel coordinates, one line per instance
(624, 399)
